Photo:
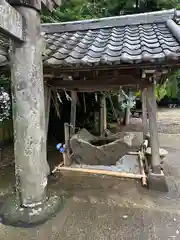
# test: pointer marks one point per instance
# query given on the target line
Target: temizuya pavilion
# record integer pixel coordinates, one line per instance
(92, 55)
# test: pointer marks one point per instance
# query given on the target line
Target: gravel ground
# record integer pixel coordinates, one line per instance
(106, 208)
(168, 121)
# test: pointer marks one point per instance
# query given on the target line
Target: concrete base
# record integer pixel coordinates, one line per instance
(157, 182)
(13, 214)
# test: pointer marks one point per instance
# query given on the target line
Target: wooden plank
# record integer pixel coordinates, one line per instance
(11, 21)
(118, 21)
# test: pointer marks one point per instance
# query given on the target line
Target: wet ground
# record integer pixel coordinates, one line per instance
(100, 208)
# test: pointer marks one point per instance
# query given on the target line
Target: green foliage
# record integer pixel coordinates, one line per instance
(173, 88)
(161, 90)
(86, 9)
(5, 101)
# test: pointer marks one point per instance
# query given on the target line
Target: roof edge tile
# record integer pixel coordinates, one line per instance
(174, 29)
(118, 21)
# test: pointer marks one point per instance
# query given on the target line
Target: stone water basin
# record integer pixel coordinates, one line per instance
(92, 150)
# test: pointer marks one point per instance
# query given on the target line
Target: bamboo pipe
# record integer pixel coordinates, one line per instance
(133, 153)
(57, 167)
(102, 172)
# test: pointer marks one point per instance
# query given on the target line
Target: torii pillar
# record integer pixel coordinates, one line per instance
(31, 205)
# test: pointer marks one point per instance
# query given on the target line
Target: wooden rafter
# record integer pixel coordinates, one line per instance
(11, 22)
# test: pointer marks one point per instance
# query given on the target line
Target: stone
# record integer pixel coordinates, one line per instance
(162, 153)
(88, 149)
(157, 182)
(29, 123)
(13, 214)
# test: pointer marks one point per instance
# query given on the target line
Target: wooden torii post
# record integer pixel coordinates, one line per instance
(156, 178)
(20, 20)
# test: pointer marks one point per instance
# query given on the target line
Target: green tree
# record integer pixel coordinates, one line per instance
(86, 9)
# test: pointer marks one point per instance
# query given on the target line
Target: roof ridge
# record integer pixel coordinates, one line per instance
(117, 21)
(174, 29)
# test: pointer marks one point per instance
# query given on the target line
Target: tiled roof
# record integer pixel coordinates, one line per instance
(140, 38)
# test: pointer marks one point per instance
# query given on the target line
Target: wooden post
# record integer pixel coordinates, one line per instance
(144, 113)
(151, 105)
(96, 114)
(29, 111)
(66, 154)
(127, 113)
(73, 113)
(102, 115)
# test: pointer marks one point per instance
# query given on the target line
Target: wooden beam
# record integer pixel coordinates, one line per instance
(95, 83)
(91, 73)
(11, 22)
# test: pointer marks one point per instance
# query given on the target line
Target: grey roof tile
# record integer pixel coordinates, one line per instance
(133, 43)
(144, 38)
